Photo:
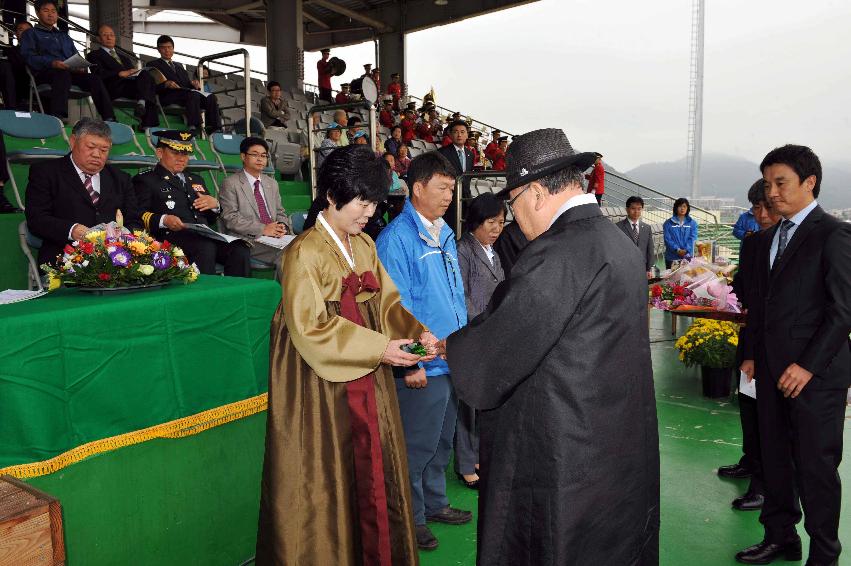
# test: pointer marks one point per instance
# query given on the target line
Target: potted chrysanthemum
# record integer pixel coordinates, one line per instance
(711, 344)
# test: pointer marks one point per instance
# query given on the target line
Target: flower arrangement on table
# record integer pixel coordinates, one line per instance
(709, 343)
(114, 257)
(695, 285)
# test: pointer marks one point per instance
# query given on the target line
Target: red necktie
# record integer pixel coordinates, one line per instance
(90, 189)
(261, 204)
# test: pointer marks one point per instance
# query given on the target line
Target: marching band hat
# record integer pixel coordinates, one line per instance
(502, 138)
(176, 140)
(538, 153)
(326, 50)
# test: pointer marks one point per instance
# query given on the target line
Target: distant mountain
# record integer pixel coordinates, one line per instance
(728, 176)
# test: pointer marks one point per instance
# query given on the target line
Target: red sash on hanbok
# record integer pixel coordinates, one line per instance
(366, 441)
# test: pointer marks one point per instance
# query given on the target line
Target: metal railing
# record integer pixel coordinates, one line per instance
(247, 82)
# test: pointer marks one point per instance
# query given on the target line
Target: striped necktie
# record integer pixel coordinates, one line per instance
(115, 56)
(785, 226)
(87, 183)
(635, 233)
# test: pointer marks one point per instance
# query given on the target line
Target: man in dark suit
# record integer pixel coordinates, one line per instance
(639, 232)
(122, 79)
(65, 197)
(461, 157)
(170, 198)
(561, 444)
(179, 89)
(796, 344)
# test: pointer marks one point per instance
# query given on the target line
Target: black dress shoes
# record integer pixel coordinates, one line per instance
(736, 471)
(425, 538)
(767, 552)
(749, 502)
(450, 516)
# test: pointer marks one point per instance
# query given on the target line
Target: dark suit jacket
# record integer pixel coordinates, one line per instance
(573, 310)
(800, 311)
(509, 245)
(479, 275)
(743, 282)
(57, 199)
(451, 154)
(178, 74)
(108, 68)
(645, 240)
(157, 187)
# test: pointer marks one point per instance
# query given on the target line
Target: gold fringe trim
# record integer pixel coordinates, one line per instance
(180, 428)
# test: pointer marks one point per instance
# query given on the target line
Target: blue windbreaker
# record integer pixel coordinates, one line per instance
(746, 223)
(427, 275)
(679, 237)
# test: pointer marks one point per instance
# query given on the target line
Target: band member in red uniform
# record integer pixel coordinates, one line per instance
(408, 124)
(424, 130)
(344, 94)
(597, 179)
(394, 89)
(386, 117)
(493, 145)
(499, 154)
(324, 70)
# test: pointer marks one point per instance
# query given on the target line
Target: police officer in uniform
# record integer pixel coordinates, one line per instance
(170, 197)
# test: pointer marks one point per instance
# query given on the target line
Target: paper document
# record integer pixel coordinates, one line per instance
(279, 243)
(10, 296)
(76, 62)
(206, 231)
(746, 388)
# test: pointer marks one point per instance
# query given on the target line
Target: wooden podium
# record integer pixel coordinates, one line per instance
(30, 526)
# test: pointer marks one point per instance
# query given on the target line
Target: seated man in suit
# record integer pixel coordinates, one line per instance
(251, 203)
(461, 157)
(67, 196)
(19, 69)
(45, 48)
(639, 232)
(179, 89)
(170, 198)
(122, 79)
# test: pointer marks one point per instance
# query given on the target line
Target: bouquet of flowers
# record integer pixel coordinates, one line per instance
(695, 285)
(115, 257)
(709, 343)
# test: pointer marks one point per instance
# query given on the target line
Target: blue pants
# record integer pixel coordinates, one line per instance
(428, 417)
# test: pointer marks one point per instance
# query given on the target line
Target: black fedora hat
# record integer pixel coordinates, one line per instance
(538, 153)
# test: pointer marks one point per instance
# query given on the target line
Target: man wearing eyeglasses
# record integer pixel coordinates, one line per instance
(251, 203)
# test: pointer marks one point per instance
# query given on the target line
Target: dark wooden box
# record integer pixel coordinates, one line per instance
(30, 526)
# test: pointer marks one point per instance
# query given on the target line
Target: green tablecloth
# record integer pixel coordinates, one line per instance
(76, 368)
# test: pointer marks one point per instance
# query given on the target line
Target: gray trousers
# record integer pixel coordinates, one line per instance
(428, 417)
(268, 254)
(466, 440)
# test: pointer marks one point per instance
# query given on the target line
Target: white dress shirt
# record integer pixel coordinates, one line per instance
(251, 180)
(578, 200)
(95, 186)
(797, 219)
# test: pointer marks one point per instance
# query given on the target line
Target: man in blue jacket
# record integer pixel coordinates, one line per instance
(418, 251)
(747, 225)
(45, 49)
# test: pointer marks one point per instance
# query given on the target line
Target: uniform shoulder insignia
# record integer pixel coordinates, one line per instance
(145, 171)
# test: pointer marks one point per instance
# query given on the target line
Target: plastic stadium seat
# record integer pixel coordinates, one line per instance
(430, 146)
(419, 144)
(123, 152)
(414, 151)
(21, 129)
(28, 243)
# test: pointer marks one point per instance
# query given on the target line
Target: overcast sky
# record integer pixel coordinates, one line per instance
(614, 74)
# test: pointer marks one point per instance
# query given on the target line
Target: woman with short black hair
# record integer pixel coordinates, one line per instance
(335, 479)
(481, 272)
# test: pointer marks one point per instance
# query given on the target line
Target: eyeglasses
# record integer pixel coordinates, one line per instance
(512, 201)
(258, 155)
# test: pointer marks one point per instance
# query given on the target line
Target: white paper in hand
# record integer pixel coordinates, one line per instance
(75, 61)
(279, 243)
(746, 388)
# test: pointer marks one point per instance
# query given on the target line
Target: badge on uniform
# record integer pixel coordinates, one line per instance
(198, 187)
(170, 204)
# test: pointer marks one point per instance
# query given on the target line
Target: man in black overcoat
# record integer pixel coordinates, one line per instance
(65, 197)
(559, 365)
(796, 343)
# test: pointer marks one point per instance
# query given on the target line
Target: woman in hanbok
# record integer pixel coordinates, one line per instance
(335, 487)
